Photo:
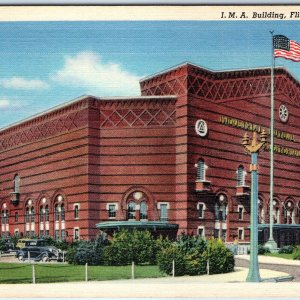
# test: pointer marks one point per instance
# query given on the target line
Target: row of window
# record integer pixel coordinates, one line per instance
(58, 234)
(202, 167)
(139, 211)
(221, 233)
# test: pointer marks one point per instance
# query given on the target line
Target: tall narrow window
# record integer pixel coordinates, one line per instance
(32, 214)
(163, 212)
(76, 233)
(29, 218)
(143, 210)
(131, 211)
(201, 208)
(44, 217)
(76, 211)
(56, 212)
(241, 212)
(47, 213)
(112, 211)
(201, 170)
(27, 215)
(17, 184)
(41, 214)
(241, 173)
(62, 212)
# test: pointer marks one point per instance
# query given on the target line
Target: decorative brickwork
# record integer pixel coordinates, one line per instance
(136, 114)
(222, 86)
(43, 130)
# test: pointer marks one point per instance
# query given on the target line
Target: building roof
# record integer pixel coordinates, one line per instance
(221, 73)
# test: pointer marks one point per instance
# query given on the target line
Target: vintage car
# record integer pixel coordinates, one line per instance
(35, 253)
(8, 245)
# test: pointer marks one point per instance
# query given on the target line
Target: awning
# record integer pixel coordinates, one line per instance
(279, 226)
(151, 225)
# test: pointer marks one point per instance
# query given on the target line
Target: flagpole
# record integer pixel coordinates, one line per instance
(271, 244)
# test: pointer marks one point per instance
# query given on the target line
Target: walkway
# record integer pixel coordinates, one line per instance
(221, 286)
(291, 267)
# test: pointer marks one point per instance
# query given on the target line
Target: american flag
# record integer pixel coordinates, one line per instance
(286, 48)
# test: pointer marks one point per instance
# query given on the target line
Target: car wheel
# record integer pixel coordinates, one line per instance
(45, 258)
(20, 257)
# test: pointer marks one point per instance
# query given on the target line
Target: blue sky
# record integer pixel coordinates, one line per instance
(43, 64)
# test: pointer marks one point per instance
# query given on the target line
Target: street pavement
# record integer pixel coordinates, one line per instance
(207, 286)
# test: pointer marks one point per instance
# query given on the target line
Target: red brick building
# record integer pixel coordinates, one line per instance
(138, 161)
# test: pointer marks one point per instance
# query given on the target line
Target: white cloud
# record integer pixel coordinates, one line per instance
(21, 83)
(87, 70)
(7, 104)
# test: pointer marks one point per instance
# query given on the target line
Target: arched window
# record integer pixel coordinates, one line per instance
(241, 174)
(221, 208)
(29, 219)
(131, 210)
(143, 210)
(4, 221)
(201, 170)
(276, 212)
(17, 184)
(260, 211)
(44, 218)
(288, 212)
(59, 217)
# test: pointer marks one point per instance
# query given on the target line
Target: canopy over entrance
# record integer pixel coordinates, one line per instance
(155, 227)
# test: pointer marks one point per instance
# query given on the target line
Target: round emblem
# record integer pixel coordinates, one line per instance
(201, 128)
(138, 195)
(283, 113)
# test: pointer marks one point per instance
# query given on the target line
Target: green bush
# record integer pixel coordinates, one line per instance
(195, 263)
(262, 250)
(165, 260)
(296, 253)
(287, 249)
(90, 252)
(127, 246)
(221, 259)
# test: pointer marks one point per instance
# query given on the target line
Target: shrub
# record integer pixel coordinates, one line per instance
(90, 252)
(165, 260)
(263, 250)
(190, 244)
(287, 249)
(195, 263)
(127, 246)
(296, 253)
(221, 259)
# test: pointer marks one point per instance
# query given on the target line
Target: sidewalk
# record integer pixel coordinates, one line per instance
(206, 286)
(271, 260)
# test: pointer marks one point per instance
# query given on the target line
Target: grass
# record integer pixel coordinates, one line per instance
(22, 272)
(281, 255)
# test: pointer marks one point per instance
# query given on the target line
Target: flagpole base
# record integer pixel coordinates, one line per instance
(271, 245)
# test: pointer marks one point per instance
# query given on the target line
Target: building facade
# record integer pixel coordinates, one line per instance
(170, 160)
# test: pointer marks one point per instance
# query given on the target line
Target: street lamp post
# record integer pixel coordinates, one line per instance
(254, 148)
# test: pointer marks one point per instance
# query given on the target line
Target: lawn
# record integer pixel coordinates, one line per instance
(281, 255)
(22, 272)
